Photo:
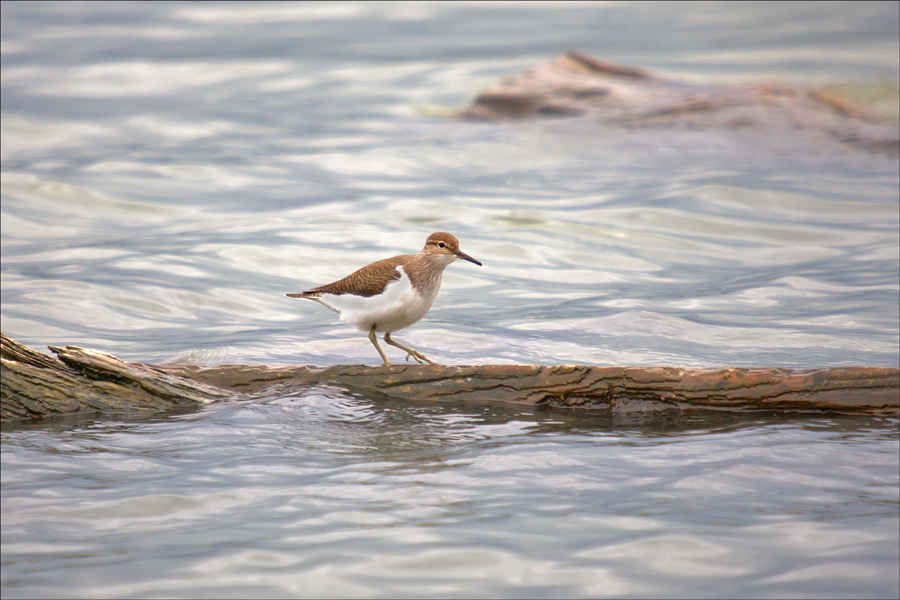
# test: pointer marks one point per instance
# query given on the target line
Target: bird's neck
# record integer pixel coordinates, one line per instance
(425, 270)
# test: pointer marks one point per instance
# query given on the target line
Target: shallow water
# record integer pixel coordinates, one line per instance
(169, 171)
(319, 494)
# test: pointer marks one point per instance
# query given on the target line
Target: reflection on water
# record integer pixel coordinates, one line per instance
(335, 495)
(169, 173)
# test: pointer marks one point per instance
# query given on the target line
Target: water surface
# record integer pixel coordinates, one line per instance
(318, 495)
(169, 171)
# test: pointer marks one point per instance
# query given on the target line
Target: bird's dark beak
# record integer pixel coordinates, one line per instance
(465, 256)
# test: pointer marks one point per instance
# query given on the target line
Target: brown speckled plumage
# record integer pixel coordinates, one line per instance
(425, 271)
(368, 281)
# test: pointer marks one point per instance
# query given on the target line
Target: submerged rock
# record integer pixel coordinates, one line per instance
(87, 382)
(576, 84)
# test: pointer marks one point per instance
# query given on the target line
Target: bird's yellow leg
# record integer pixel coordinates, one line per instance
(409, 351)
(374, 341)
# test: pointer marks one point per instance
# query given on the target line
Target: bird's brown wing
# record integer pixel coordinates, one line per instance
(367, 282)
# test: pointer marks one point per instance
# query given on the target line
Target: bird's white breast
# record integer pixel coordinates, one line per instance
(398, 306)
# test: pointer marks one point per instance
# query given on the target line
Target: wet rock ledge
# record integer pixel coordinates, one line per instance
(87, 382)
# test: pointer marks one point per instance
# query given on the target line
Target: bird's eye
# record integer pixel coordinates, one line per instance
(441, 245)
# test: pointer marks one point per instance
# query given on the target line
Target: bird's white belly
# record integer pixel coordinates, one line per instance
(398, 306)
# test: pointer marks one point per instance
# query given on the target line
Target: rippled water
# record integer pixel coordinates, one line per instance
(169, 171)
(323, 495)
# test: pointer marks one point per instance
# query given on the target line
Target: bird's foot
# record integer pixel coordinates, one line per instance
(421, 358)
(410, 352)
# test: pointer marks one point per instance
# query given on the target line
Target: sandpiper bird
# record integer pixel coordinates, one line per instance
(392, 293)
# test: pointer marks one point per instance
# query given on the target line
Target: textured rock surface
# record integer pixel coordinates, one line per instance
(89, 382)
(586, 386)
(34, 385)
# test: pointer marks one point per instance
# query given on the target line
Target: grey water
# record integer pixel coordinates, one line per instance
(171, 170)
